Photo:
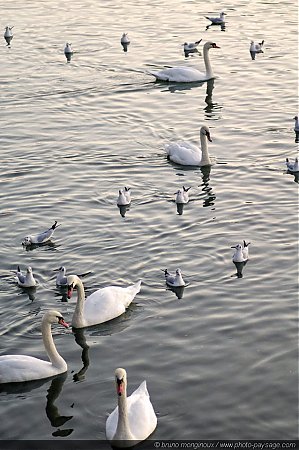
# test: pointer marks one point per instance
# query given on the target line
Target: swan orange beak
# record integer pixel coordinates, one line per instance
(119, 387)
(63, 323)
(69, 292)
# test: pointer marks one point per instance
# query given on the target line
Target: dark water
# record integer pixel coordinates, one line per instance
(221, 360)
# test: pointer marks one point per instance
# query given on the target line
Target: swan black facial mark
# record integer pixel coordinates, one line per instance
(119, 382)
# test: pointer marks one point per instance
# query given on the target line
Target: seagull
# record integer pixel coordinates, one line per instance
(125, 39)
(217, 20)
(40, 238)
(292, 167)
(296, 128)
(191, 47)
(68, 49)
(124, 197)
(25, 280)
(61, 279)
(257, 48)
(8, 32)
(241, 254)
(174, 280)
(182, 195)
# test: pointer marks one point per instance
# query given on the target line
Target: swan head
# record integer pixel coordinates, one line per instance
(206, 132)
(120, 381)
(53, 316)
(72, 281)
(209, 45)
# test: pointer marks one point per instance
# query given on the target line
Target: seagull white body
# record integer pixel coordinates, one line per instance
(241, 253)
(217, 20)
(188, 154)
(8, 32)
(182, 195)
(41, 237)
(27, 280)
(191, 46)
(186, 74)
(296, 128)
(68, 49)
(256, 48)
(292, 167)
(124, 197)
(174, 280)
(125, 39)
(134, 419)
(61, 279)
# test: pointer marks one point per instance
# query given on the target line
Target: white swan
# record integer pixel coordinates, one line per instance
(182, 195)
(19, 368)
(217, 20)
(174, 280)
(125, 39)
(242, 252)
(184, 74)
(292, 167)
(187, 154)
(41, 237)
(134, 418)
(27, 280)
(61, 279)
(103, 305)
(296, 128)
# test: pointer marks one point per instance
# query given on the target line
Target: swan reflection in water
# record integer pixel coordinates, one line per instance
(52, 412)
(210, 197)
(211, 107)
(81, 341)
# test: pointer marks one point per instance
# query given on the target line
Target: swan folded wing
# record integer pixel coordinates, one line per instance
(180, 75)
(19, 368)
(184, 153)
(141, 414)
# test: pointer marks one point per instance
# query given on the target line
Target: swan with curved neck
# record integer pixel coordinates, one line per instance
(19, 368)
(103, 305)
(187, 154)
(185, 74)
(134, 418)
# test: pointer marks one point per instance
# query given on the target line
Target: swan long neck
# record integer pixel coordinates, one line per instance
(205, 158)
(123, 426)
(50, 348)
(206, 58)
(78, 317)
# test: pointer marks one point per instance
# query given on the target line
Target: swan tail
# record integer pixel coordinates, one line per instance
(159, 76)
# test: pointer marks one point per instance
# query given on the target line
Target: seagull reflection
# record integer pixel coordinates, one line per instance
(81, 341)
(52, 412)
(125, 46)
(50, 245)
(180, 208)
(178, 290)
(222, 26)
(30, 291)
(239, 267)
(123, 209)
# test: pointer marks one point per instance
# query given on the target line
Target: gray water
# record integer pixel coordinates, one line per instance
(221, 360)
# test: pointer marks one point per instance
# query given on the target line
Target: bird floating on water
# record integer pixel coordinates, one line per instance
(242, 252)
(296, 127)
(182, 195)
(8, 32)
(217, 20)
(20, 368)
(41, 237)
(134, 419)
(61, 279)
(191, 47)
(102, 305)
(125, 39)
(292, 167)
(174, 280)
(256, 48)
(68, 48)
(186, 74)
(27, 280)
(187, 154)
(124, 197)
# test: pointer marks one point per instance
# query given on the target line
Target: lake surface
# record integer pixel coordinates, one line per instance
(220, 358)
